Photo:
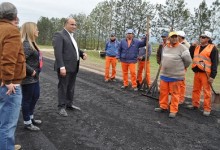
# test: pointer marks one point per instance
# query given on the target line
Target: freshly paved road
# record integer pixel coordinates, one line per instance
(113, 119)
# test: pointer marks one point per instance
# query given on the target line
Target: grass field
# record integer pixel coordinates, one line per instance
(154, 68)
(95, 59)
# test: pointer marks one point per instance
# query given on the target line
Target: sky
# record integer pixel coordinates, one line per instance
(32, 10)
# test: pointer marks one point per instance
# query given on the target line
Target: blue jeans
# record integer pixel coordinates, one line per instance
(31, 93)
(9, 113)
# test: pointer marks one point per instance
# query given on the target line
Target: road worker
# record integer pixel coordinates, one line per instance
(164, 37)
(111, 51)
(142, 62)
(175, 58)
(182, 40)
(205, 60)
(128, 55)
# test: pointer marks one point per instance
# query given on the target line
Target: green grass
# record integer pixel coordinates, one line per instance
(94, 56)
(45, 47)
(94, 59)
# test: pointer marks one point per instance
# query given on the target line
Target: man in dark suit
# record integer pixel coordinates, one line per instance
(67, 57)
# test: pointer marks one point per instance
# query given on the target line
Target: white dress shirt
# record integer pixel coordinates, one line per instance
(74, 43)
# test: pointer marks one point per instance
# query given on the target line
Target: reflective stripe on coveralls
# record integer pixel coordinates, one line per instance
(204, 56)
(200, 78)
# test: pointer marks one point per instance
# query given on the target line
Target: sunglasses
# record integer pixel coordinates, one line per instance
(203, 37)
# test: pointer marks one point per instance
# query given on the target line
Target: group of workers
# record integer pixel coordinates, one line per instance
(174, 55)
(128, 51)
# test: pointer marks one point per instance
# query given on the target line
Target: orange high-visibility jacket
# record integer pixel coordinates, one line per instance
(203, 58)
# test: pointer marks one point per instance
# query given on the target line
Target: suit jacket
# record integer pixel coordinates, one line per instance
(65, 52)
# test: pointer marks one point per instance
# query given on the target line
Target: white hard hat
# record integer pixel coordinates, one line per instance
(207, 34)
(130, 31)
(181, 33)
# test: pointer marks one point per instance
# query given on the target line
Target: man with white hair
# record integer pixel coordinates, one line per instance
(182, 38)
(205, 62)
(12, 71)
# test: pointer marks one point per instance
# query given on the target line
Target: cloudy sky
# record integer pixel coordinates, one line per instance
(32, 10)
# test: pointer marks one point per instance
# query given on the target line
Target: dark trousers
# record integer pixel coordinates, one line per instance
(30, 95)
(66, 88)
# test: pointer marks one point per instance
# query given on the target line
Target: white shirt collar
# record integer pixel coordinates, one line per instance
(71, 34)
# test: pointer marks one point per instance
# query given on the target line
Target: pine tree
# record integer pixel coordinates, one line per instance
(171, 16)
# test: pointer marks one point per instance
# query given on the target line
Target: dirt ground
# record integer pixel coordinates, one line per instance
(114, 119)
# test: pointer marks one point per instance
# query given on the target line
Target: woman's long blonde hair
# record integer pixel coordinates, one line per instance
(28, 33)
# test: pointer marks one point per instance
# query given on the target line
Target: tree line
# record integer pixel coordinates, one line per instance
(119, 15)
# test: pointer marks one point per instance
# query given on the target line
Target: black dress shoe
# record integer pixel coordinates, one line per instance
(72, 107)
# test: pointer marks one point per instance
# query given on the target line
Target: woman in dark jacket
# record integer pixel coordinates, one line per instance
(30, 85)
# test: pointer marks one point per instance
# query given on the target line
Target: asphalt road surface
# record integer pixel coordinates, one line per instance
(113, 119)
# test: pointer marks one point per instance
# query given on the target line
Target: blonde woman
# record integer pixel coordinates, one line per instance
(30, 85)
